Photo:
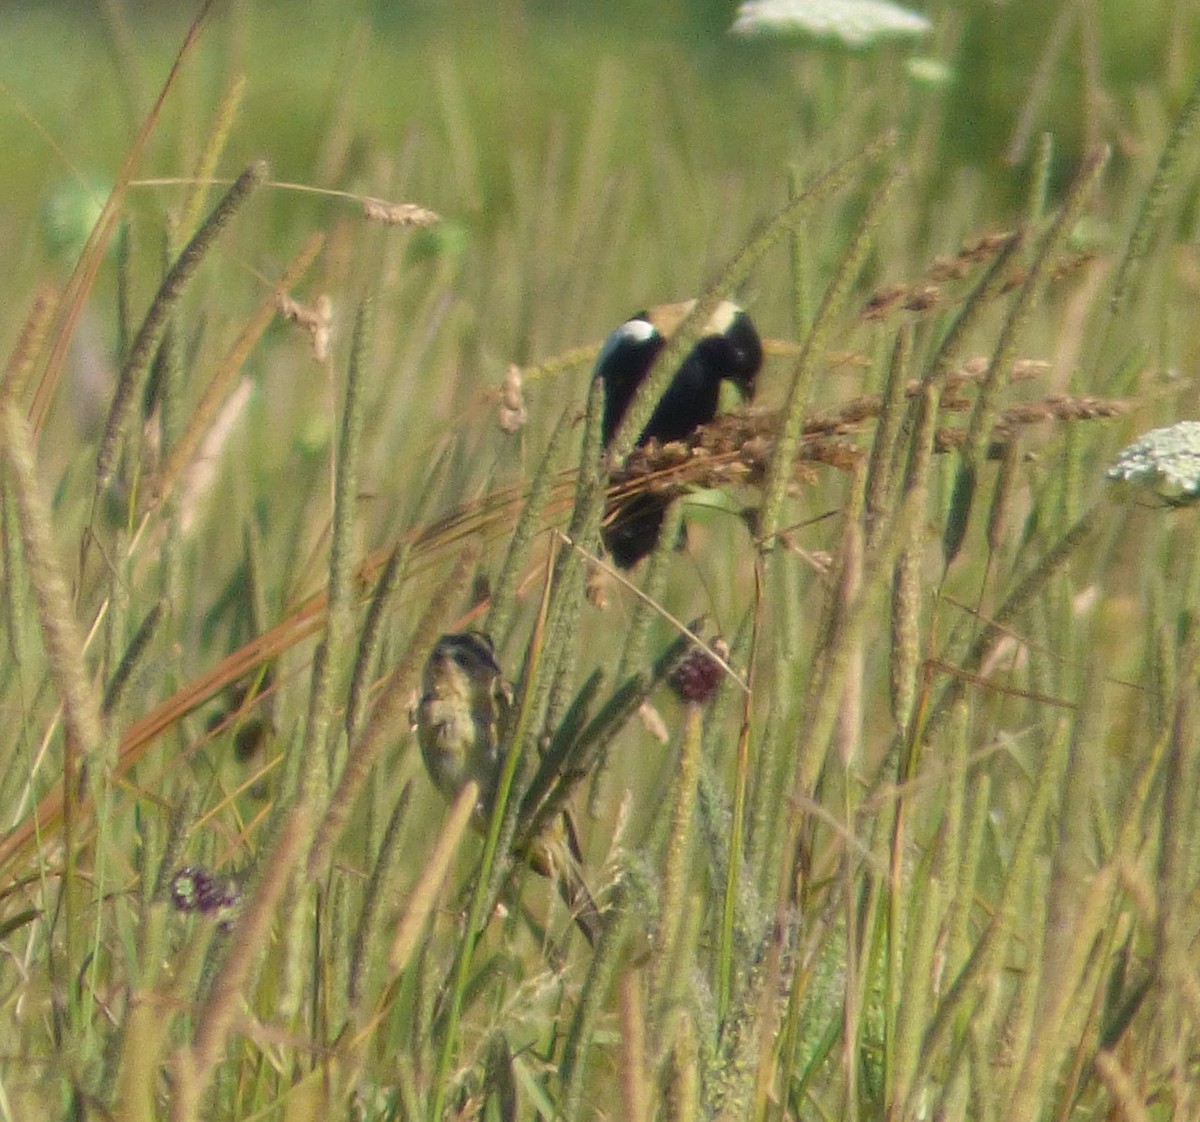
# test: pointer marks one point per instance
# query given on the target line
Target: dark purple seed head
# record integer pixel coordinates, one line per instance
(196, 889)
(696, 678)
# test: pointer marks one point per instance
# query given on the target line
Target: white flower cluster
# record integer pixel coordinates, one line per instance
(855, 23)
(1165, 460)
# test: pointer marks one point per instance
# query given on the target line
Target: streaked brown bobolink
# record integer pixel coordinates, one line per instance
(729, 350)
(463, 716)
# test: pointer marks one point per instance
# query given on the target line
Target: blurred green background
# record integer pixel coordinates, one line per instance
(460, 98)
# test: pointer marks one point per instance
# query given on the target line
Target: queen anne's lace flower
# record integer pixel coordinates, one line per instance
(1165, 460)
(855, 23)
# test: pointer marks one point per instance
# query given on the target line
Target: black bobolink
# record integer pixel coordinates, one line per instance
(463, 717)
(729, 350)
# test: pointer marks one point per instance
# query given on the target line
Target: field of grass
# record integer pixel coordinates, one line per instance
(295, 361)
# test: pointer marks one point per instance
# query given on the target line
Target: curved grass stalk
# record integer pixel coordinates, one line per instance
(158, 318)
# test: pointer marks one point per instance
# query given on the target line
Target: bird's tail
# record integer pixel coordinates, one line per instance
(556, 855)
(582, 905)
(632, 527)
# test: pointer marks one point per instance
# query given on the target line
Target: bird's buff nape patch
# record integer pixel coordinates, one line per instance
(666, 318)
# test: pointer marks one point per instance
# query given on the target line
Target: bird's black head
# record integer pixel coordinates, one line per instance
(731, 346)
(729, 349)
